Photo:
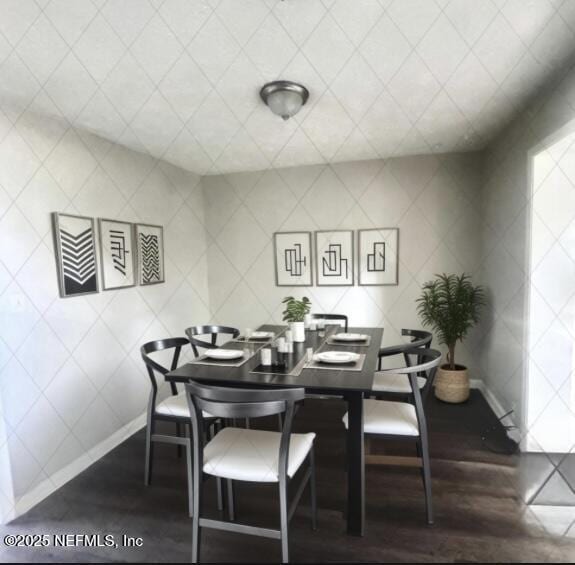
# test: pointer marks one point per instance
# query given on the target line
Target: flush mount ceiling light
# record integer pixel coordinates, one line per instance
(284, 98)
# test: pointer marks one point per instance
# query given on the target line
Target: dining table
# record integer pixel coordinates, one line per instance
(339, 382)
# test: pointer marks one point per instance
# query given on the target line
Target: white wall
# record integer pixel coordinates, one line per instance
(70, 372)
(433, 199)
(506, 269)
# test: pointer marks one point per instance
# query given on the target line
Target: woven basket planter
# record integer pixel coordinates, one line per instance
(452, 386)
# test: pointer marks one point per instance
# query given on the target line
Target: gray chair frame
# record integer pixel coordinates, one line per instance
(181, 440)
(335, 317)
(428, 361)
(213, 331)
(230, 403)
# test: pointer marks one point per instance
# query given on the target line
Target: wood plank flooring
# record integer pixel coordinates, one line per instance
(480, 516)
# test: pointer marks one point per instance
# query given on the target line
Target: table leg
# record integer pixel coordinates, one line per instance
(355, 466)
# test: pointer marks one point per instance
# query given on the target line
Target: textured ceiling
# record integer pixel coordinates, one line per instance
(180, 78)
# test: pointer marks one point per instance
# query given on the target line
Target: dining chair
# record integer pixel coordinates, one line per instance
(389, 383)
(238, 454)
(334, 317)
(210, 330)
(399, 420)
(173, 409)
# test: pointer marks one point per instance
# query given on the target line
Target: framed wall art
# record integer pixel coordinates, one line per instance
(293, 263)
(150, 242)
(334, 255)
(117, 254)
(378, 251)
(76, 261)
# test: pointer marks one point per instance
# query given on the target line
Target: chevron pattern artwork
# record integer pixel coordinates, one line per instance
(150, 251)
(76, 253)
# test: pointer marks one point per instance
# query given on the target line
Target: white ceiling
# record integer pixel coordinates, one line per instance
(180, 78)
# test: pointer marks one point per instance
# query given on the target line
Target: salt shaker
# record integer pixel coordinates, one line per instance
(266, 356)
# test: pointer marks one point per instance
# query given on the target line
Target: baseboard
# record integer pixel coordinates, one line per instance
(67, 473)
(497, 408)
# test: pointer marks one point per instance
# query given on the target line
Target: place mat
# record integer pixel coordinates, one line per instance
(332, 341)
(357, 366)
(242, 339)
(203, 360)
(289, 369)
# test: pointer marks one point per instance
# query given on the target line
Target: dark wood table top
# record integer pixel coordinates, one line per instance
(335, 381)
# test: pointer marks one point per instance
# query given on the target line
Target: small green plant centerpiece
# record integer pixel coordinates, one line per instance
(450, 305)
(295, 313)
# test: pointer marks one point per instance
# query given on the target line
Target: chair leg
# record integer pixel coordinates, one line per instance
(231, 502)
(220, 494)
(211, 432)
(280, 423)
(189, 470)
(149, 452)
(426, 475)
(284, 522)
(312, 490)
(196, 531)
(179, 434)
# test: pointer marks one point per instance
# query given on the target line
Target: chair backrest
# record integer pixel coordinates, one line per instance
(419, 339)
(228, 402)
(336, 317)
(153, 367)
(211, 331)
(427, 361)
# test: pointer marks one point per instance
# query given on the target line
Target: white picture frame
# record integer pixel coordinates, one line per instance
(293, 259)
(117, 254)
(334, 256)
(378, 257)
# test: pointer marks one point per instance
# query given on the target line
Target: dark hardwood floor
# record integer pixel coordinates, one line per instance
(479, 511)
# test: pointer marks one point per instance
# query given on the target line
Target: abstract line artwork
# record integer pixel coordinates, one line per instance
(150, 254)
(76, 254)
(293, 258)
(334, 257)
(117, 242)
(294, 261)
(378, 256)
(117, 254)
(333, 264)
(376, 259)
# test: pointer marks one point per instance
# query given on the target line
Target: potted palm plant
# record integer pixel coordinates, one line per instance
(450, 305)
(294, 313)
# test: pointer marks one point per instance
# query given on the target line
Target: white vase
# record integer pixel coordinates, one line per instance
(298, 331)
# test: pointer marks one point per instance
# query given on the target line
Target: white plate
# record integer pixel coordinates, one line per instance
(350, 337)
(336, 357)
(261, 335)
(224, 354)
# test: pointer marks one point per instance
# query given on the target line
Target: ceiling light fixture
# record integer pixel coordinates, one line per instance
(284, 98)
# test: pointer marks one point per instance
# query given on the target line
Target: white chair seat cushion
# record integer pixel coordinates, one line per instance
(176, 405)
(388, 417)
(252, 455)
(389, 382)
